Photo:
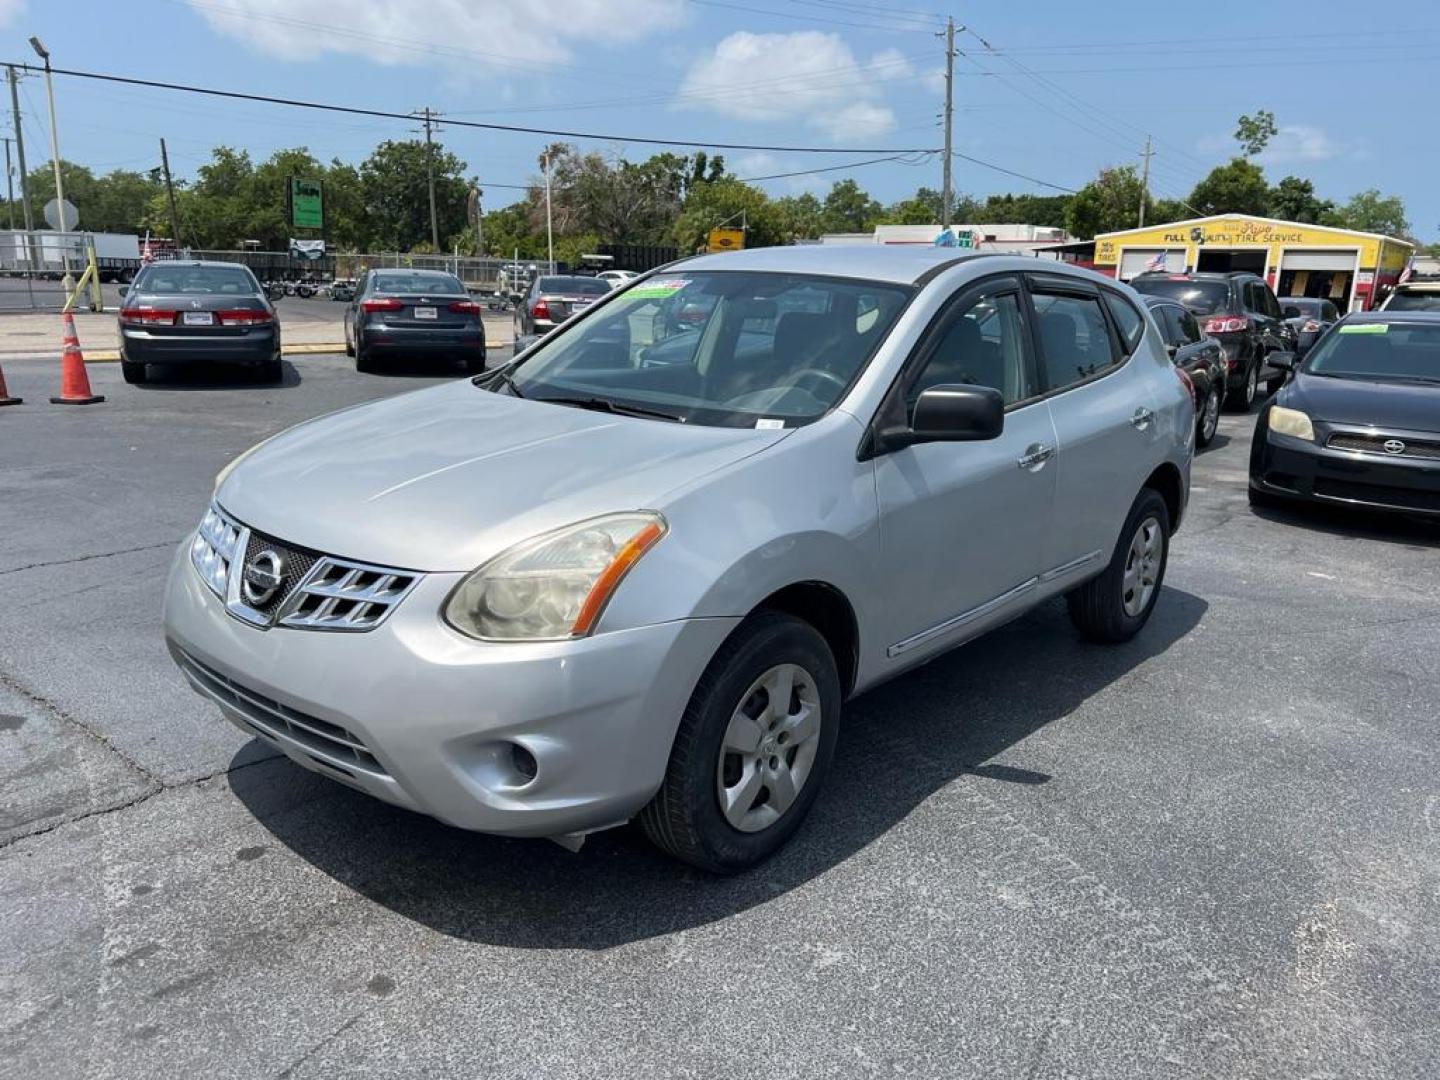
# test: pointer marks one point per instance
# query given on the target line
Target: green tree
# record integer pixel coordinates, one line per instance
(848, 208)
(1370, 211)
(1237, 187)
(801, 217)
(1254, 133)
(1109, 202)
(393, 184)
(727, 200)
(1294, 199)
(1023, 209)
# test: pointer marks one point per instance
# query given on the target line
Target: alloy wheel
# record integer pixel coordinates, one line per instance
(769, 748)
(1142, 567)
(1251, 379)
(1210, 416)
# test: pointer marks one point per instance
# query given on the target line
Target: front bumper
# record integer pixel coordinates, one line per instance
(415, 713)
(1293, 468)
(252, 345)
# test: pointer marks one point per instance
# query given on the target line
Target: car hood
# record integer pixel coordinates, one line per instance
(443, 479)
(1409, 406)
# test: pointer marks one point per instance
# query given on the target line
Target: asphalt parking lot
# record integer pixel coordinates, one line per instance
(1214, 851)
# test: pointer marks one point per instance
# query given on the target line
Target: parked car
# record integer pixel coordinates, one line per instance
(195, 312)
(1199, 356)
(1413, 296)
(1309, 317)
(553, 298)
(1240, 311)
(586, 590)
(1359, 423)
(412, 314)
(342, 289)
(616, 278)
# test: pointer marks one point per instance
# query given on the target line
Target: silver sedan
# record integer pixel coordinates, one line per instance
(636, 572)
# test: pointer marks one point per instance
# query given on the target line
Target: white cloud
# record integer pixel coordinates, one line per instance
(1300, 142)
(808, 75)
(9, 9)
(483, 36)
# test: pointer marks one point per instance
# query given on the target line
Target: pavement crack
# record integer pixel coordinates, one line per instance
(88, 558)
(289, 1070)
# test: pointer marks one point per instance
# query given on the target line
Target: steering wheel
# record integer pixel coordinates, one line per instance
(816, 373)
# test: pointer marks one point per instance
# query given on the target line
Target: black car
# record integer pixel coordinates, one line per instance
(1239, 309)
(194, 312)
(553, 298)
(1199, 356)
(413, 313)
(1310, 317)
(1359, 421)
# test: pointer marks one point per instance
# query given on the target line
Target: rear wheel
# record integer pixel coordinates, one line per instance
(1243, 396)
(1209, 419)
(475, 365)
(752, 748)
(364, 361)
(133, 372)
(1114, 606)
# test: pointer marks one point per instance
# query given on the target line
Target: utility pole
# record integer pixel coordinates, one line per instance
(9, 186)
(20, 147)
(946, 188)
(1145, 180)
(430, 179)
(170, 195)
(549, 228)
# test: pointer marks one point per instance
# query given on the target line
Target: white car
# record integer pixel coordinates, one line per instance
(616, 278)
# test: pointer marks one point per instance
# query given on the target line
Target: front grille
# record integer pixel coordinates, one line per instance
(296, 562)
(343, 595)
(1423, 449)
(329, 743)
(1381, 494)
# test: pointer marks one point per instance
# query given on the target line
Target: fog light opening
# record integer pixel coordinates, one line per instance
(524, 763)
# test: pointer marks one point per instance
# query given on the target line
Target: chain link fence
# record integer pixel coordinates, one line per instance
(32, 266)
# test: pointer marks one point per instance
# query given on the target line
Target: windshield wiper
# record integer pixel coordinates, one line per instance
(599, 404)
(502, 375)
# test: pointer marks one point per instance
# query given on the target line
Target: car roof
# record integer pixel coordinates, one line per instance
(902, 264)
(408, 270)
(198, 262)
(1428, 317)
(1418, 286)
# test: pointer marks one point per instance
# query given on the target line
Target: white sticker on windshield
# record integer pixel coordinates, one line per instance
(659, 289)
(767, 423)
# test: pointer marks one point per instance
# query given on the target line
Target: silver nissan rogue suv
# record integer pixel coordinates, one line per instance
(635, 572)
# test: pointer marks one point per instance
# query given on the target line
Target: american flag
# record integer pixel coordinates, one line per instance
(1157, 261)
(1408, 272)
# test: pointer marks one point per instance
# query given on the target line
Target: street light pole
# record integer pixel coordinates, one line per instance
(549, 228)
(35, 43)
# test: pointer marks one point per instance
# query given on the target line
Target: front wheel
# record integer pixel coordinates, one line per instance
(752, 748)
(1209, 419)
(1114, 606)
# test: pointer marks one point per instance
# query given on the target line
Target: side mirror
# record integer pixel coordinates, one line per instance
(1171, 349)
(124, 289)
(958, 413)
(1283, 360)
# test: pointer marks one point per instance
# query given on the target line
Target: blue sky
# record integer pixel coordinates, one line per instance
(1051, 89)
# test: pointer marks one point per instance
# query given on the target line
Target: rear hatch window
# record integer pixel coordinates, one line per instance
(1200, 297)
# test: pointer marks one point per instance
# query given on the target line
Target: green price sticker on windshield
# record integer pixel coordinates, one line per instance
(1366, 328)
(658, 290)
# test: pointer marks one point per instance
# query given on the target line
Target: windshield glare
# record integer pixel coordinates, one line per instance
(1378, 351)
(1414, 301)
(727, 349)
(1201, 297)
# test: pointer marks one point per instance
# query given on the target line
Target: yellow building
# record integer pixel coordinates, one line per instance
(1351, 268)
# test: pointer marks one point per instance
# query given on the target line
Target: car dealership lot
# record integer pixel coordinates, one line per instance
(1214, 850)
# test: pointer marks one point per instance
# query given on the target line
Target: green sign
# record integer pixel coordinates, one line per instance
(307, 204)
(964, 240)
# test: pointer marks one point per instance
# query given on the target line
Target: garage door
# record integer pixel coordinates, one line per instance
(1318, 260)
(1139, 260)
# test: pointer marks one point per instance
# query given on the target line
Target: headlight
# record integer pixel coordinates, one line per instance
(1291, 422)
(555, 586)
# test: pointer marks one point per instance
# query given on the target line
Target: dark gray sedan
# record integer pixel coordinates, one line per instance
(409, 314)
(1310, 316)
(197, 313)
(552, 299)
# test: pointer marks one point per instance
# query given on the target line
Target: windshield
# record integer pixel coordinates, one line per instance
(1201, 297)
(574, 286)
(1377, 350)
(1405, 300)
(724, 349)
(424, 284)
(200, 280)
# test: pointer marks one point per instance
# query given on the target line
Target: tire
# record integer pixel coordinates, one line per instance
(364, 362)
(475, 365)
(133, 373)
(1103, 609)
(1209, 419)
(1243, 396)
(685, 819)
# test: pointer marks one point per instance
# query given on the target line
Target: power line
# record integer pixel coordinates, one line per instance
(835, 168)
(1012, 172)
(514, 128)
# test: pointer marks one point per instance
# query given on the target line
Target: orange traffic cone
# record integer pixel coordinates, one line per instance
(74, 383)
(5, 398)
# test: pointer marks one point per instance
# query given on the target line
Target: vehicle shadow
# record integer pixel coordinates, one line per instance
(216, 377)
(1387, 528)
(1218, 442)
(899, 744)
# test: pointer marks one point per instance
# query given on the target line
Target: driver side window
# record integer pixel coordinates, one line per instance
(982, 345)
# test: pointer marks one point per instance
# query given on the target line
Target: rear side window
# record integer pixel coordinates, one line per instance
(1130, 321)
(1188, 326)
(1075, 341)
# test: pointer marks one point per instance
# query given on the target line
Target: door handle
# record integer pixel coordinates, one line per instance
(1036, 454)
(1142, 418)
